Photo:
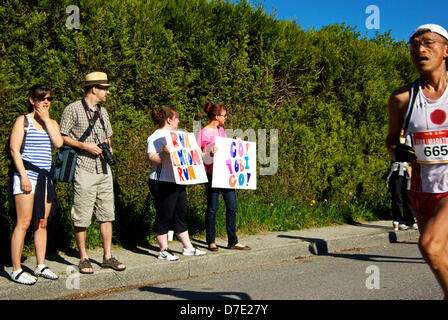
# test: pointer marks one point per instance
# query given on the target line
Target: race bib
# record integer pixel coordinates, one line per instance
(431, 147)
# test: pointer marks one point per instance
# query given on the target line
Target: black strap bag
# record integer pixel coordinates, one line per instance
(63, 166)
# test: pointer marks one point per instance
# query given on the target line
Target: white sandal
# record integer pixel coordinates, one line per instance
(24, 278)
(46, 273)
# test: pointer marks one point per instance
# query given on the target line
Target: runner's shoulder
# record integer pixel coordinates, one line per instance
(400, 97)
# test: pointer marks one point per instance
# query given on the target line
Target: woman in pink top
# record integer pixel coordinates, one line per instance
(206, 140)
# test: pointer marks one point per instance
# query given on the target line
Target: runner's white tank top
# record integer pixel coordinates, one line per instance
(428, 127)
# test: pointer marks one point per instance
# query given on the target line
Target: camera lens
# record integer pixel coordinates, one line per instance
(106, 153)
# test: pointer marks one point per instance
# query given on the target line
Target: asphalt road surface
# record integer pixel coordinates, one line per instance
(393, 272)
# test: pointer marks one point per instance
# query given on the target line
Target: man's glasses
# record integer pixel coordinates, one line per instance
(102, 88)
(49, 99)
(426, 42)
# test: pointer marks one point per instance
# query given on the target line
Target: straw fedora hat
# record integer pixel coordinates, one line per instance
(96, 78)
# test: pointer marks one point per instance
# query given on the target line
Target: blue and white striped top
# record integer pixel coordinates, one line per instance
(37, 149)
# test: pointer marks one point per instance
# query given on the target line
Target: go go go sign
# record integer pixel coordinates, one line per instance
(234, 164)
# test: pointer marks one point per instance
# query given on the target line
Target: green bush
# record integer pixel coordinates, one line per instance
(324, 91)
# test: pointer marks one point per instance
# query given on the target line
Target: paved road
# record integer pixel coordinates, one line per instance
(393, 272)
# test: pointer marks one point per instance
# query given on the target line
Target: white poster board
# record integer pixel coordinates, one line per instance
(186, 158)
(235, 164)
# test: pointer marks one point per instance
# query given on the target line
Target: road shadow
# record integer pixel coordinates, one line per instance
(372, 226)
(377, 258)
(195, 295)
(316, 246)
(319, 247)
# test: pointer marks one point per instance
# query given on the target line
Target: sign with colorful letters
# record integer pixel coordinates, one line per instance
(186, 158)
(234, 164)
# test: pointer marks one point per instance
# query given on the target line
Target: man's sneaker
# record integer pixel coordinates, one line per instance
(402, 226)
(165, 255)
(193, 252)
(415, 226)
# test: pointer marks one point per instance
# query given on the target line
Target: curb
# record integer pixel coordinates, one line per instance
(144, 269)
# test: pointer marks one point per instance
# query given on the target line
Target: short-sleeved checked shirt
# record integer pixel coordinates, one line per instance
(74, 123)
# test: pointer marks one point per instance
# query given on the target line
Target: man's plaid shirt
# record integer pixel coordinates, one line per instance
(74, 123)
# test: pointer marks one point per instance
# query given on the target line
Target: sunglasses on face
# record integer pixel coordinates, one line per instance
(45, 98)
(102, 88)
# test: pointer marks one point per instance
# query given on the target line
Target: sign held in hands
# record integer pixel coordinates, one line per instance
(186, 159)
(234, 164)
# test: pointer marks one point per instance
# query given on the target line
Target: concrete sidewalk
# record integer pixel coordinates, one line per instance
(143, 267)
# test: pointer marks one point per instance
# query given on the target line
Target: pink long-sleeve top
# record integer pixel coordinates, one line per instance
(206, 139)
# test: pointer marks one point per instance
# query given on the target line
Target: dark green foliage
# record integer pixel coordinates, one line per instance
(324, 91)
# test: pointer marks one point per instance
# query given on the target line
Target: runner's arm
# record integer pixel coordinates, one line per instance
(397, 107)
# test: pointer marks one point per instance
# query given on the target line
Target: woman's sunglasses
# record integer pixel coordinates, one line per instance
(46, 98)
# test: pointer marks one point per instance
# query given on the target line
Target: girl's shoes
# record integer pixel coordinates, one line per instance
(212, 247)
(23, 277)
(46, 273)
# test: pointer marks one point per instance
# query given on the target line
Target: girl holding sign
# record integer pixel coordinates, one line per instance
(206, 138)
(170, 199)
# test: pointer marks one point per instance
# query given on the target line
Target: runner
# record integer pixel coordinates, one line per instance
(421, 108)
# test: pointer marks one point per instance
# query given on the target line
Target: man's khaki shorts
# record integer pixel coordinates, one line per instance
(93, 193)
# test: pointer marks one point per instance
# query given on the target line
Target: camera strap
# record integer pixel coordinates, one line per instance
(100, 116)
(92, 122)
(95, 117)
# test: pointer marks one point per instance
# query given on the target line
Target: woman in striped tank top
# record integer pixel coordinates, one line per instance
(41, 133)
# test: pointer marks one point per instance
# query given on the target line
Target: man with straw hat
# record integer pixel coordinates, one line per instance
(92, 182)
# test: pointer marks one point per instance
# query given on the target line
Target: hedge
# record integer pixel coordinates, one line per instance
(325, 91)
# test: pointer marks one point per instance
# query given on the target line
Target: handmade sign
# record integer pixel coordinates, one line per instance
(186, 158)
(234, 164)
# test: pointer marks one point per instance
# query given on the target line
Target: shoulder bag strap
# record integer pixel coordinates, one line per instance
(92, 121)
(414, 92)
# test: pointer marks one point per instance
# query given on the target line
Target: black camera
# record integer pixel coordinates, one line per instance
(106, 153)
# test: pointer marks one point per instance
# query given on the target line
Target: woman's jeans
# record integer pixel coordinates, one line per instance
(229, 197)
(400, 199)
